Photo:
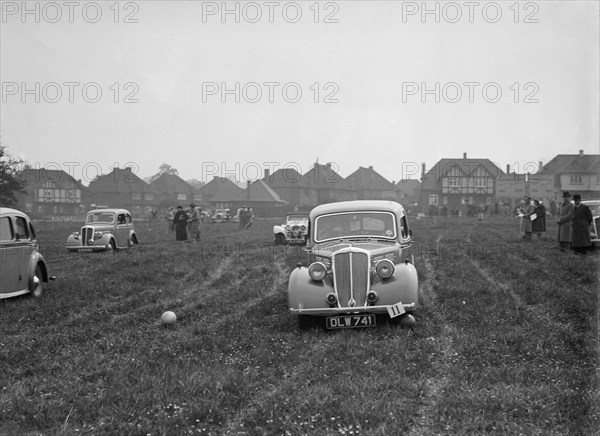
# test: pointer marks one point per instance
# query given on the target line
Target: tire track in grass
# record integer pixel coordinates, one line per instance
(426, 414)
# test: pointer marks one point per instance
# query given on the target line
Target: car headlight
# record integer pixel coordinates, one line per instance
(317, 271)
(385, 268)
(97, 235)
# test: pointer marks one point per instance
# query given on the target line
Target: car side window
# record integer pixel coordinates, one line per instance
(31, 232)
(21, 228)
(121, 218)
(128, 219)
(404, 227)
(6, 230)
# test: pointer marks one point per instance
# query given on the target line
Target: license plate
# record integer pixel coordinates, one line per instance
(350, 321)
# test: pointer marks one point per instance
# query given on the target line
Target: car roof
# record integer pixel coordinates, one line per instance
(11, 211)
(108, 210)
(357, 206)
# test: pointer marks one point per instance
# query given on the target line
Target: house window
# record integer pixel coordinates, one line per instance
(575, 179)
(181, 197)
(433, 199)
(136, 195)
(148, 196)
(445, 199)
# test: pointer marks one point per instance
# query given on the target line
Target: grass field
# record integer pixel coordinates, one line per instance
(506, 343)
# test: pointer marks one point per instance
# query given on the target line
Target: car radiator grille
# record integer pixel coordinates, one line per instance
(87, 233)
(351, 275)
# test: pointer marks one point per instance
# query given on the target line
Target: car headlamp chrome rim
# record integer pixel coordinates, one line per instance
(385, 268)
(317, 271)
(303, 228)
(288, 228)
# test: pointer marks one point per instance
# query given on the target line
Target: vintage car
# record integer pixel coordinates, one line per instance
(356, 268)
(24, 269)
(293, 231)
(104, 229)
(594, 206)
(221, 216)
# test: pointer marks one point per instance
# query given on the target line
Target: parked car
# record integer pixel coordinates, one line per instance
(294, 231)
(356, 267)
(594, 206)
(104, 229)
(221, 216)
(24, 269)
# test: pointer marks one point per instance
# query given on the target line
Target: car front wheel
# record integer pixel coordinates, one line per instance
(279, 239)
(38, 280)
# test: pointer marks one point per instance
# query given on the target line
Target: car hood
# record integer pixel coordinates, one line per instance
(374, 247)
(100, 227)
(296, 223)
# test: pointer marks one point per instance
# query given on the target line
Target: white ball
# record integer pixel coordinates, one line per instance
(168, 318)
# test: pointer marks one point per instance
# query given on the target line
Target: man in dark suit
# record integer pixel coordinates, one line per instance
(581, 219)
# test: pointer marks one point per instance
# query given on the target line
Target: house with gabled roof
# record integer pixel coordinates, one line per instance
(172, 190)
(322, 184)
(576, 173)
(452, 183)
(258, 196)
(286, 183)
(368, 184)
(122, 188)
(50, 193)
(219, 193)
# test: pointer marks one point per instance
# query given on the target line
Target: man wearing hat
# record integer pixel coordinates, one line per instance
(564, 221)
(581, 219)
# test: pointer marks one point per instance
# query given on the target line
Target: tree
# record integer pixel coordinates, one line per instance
(164, 169)
(10, 183)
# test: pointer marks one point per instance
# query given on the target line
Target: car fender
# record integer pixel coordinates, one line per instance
(402, 286)
(305, 293)
(34, 260)
(71, 241)
(105, 239)
(132, 234)
(278, 229)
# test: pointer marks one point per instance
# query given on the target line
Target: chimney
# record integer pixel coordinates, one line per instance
(580, 153)
(266, 173)
(507, 168)
(540, 167)
(423, 170)
(371, 167)
(464, 155)
(247, 189)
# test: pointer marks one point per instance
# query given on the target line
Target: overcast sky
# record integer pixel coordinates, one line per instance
(516, 83)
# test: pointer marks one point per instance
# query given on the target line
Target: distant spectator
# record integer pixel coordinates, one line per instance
(194, 223)
(181, 220)
(581, 219)
(564, 222)
(527, 210)
(538, 225)
(169, 216)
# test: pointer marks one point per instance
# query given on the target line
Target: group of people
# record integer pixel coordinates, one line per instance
(185, 222)
(533, 218)
(573, 219)
(246, 217)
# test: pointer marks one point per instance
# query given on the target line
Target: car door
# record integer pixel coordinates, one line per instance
(122, 230)
(25, 247)
(9, 253)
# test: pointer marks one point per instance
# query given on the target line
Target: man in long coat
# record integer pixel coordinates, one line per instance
(581, 219)
(564, 222)
(194, 223)
(181, 221)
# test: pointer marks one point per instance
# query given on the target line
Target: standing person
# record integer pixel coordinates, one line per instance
(169, 216)
(563, 221)
(538, 226)
(581, 219)
(243, 217)
(528, 210)
(194, 223)
(180, 220)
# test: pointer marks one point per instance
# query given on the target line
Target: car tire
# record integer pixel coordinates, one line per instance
(112, 246)
(279, 239)
(39, 289)
(134, 240)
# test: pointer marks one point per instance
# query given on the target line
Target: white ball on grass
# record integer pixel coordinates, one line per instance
(168, 318)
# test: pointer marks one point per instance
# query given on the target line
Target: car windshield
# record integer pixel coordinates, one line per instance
(100, 217)
(355, 224)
